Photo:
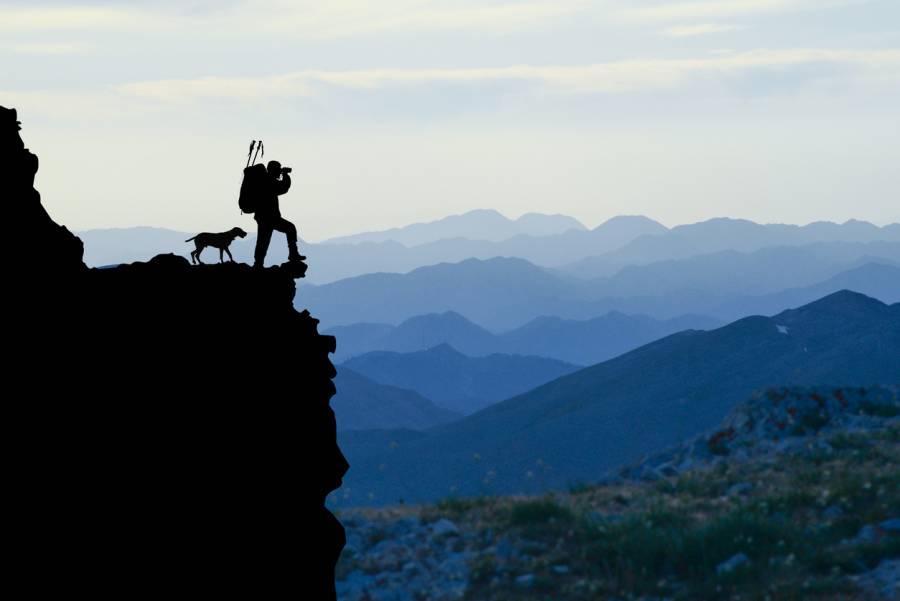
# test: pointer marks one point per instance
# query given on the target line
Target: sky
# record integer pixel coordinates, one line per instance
(399, 111)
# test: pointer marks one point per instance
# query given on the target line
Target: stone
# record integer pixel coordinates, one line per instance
(732, 563)
(525, 581)
(444, 527)
(883, 582)
(867, 534)
(740, 488)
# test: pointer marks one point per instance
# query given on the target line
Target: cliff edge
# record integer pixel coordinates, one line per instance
(169, 425)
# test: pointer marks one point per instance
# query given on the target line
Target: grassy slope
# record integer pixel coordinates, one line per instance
(666, 539)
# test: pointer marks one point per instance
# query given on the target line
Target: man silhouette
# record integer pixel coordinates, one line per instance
(268, 215)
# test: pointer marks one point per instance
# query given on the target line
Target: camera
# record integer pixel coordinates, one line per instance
(286, 169)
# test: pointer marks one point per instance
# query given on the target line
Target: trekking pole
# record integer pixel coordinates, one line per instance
(258, 148)
(252, 144)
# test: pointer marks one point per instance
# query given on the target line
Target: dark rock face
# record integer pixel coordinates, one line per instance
(170, 425)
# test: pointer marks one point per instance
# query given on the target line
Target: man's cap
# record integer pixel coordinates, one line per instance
(9, 117)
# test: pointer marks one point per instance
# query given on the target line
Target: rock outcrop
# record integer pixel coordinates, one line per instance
(169, 424)
(776, 422)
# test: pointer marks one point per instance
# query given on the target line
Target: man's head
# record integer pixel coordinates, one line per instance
(274, 168)
(9, 119)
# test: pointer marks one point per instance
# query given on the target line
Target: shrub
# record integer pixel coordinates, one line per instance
(539, 512)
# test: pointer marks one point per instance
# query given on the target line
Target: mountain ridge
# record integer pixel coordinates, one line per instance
(364, 404)
(505, 293)
(583, 424)
(581, 342)
(606, 244)
(478, 224)
(456, 381)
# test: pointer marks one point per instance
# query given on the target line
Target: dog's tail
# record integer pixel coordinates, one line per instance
(189, 239)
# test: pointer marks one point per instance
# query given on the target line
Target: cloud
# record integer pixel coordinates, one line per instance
(49, 48)
(299, 18)
(681, 31)
(610, 77)
(366, 17)
(737, 74)
(713, 9)
(43, 19)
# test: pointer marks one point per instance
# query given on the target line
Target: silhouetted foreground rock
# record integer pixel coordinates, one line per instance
(169, 426)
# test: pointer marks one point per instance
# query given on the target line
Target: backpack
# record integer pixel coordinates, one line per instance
(254, 183)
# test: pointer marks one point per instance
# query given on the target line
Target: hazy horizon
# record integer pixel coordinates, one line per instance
(588, 226)
(409, 110)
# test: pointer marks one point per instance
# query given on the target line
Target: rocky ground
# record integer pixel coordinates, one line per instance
(796, 496)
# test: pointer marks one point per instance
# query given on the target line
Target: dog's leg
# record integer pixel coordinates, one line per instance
(230, 258)
(221, 255)
(199, 260)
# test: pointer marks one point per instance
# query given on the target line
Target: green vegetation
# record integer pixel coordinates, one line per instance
(880, 409)
(774, 527)
(539, 513)
(669, 539)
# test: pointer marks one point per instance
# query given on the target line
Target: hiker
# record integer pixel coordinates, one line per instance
(268, 216)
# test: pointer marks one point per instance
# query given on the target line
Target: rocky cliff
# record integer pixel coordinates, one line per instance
(169, 425)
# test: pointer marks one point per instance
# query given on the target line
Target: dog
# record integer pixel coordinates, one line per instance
(221, 241)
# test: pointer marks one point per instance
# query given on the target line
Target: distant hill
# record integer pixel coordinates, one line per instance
(362, 404)
(722, 234)
(336, 260)
(499, 292)
(455, 381)
(579, 426)
(414, 334)
(504, 293)
(591, 341)
(578, 342)
(621, 241)
(762, 271)
(482, 224)
(878, 280)
(563, 248)
(360, 338)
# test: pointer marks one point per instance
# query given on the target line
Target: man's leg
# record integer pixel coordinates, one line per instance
(283, 225)
(263, 237)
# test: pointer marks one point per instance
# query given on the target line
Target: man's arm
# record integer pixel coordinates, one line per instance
(282, 185)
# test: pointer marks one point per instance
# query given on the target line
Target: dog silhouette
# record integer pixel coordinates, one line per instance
(220, 240)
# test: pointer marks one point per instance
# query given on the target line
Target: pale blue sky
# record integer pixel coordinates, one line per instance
(405, 110)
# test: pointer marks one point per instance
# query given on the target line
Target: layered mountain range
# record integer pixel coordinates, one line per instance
(550, 241)
(503, 293)
(581, 425)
